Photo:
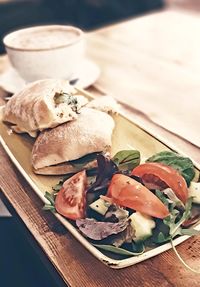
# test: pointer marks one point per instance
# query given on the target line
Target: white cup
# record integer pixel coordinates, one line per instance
(50, 51)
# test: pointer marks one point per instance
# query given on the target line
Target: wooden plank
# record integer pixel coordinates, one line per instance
(154, 68)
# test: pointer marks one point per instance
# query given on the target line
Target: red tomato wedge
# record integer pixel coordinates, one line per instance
(151, 172)
(71, 199)
(127, 192)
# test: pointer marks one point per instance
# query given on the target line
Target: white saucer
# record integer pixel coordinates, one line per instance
(88, 73)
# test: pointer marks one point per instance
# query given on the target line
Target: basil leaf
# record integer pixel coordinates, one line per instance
(117, 250)
(182, 164)
(127, 159)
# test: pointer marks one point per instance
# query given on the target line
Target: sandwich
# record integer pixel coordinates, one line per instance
(41, 105)
(65, 148)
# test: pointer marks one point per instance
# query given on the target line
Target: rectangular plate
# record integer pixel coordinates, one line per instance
(126, 135)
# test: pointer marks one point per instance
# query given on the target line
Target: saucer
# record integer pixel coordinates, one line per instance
(87, 73)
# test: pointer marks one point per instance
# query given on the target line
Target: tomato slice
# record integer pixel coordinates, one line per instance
(71, 199)
(127, 192)
(162, 176)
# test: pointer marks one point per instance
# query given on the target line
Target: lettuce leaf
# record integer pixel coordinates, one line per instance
(120, 251)
(182, 164)
(127, 159)
(98, 230)
(51, 198)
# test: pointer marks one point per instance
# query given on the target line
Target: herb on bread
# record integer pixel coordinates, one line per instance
(67, 98)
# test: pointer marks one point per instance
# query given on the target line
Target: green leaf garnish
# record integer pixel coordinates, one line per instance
(51, 198)
(189, 231)
(175, 220)
(118, 250)
(182, 164)
(173, 198)
(161, 238)
(162, 197)
(127, 159)
(58, 186)
(175, 227)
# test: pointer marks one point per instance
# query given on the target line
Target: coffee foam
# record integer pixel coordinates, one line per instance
(43, 38)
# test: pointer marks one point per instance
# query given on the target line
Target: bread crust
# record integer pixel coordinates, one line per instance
(90, 132)
(34, 109)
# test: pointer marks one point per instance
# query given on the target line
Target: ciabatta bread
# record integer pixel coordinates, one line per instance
(90, 132)
(41, 105)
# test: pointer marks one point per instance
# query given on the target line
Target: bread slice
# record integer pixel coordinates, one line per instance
(43, 104)
(90, 132)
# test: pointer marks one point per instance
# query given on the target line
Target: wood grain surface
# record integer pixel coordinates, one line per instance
(133, 62)
(76, 265)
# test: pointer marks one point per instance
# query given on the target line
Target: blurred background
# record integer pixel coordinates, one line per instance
(87, 14)
(20, 265)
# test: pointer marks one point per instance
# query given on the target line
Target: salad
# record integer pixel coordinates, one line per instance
(126, 207)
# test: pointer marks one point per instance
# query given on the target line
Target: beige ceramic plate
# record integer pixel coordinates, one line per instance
(126, 135)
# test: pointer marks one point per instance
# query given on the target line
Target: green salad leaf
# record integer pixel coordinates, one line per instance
(174, 221)
(127, 159)
(58, 186)
(162, 197)
(162, 238)
(119, 250)
(51, 198)
(173, 198)
(83, 161)
(177, 229)
(182, 164)
(175, 226)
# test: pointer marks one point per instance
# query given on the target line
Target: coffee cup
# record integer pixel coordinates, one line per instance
(49, 51)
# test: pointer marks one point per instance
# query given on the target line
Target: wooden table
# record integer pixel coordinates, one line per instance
(117, 49)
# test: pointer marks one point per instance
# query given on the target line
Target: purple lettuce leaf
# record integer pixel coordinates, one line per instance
(98, 230)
